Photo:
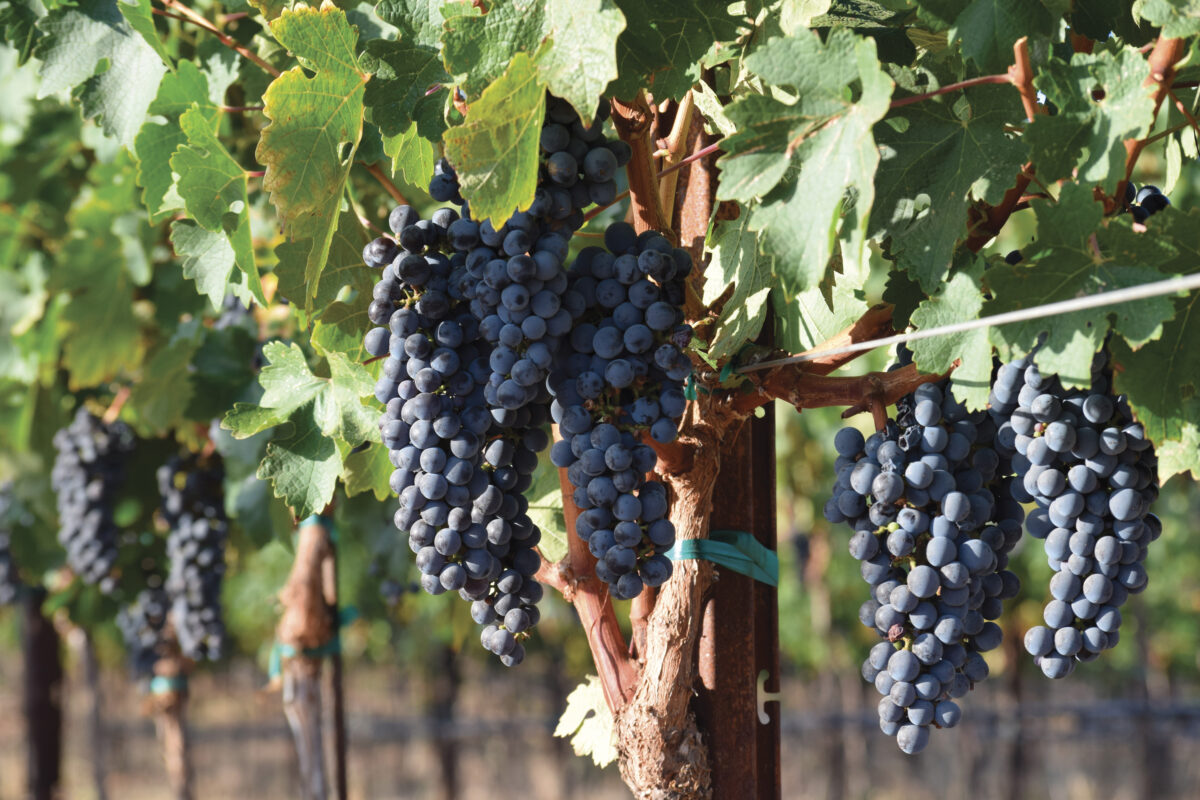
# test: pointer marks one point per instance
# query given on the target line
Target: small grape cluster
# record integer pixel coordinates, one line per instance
(193, 506)
(460, 466)
(1144, 202)
(623, 375)
(10, 583)
(88, 471)
(141, 624)
(1092, 472)
(929, 499)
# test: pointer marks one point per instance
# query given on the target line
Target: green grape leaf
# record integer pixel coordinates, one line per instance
(398, 94)
(574, 42)
(663, 43)
(1177, 18)
(140, 17)
(340, 328)
(808, 155)
(588, 723)
(989, 28)
(162, 394)
(316, 123)
(158, 140)
(344, 269)
(419, 21)
(289, 385)
(213, 188)
(302, 464)
(270, 9)
(795, 15)
(815, 315)
(941, 156)
(18, 26)
(223, 366)
(207, 259)
(1064, 265)
(338, 409)
(546, 511)
(286, 380)
(735, 265)
(495, 152)
(1088, 135)
(77, 41)
(368, 470)
(1178, 456)
(103, 336)
(412, 156)
(1160, 380)
(960, 300)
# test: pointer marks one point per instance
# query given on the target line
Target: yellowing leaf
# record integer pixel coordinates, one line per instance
(316, 124)
(496, 150)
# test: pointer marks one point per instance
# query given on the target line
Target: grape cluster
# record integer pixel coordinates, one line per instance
(193, 506)
(88, 470)
(460, 466)
(623, 375)
(10, 583)
(519, 291)
(1144, 202)
(930, 502)
(475, 322)
(141, 624)
(1092, 472)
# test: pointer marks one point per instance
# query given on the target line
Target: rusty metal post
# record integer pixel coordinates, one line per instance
(740, 636)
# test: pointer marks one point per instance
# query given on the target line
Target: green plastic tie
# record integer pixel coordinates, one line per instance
(280, 651)
(735, 550)
(163, 684)
(690, 390)
(323, 521)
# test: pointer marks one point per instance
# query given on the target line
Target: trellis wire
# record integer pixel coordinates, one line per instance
(1146, 290)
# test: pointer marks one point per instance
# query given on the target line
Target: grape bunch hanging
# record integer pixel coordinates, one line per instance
(487, 336)
(935, 501)
(193, 506)
(87, 473)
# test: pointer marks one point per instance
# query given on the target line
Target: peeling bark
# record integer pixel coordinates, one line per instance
(662, 754)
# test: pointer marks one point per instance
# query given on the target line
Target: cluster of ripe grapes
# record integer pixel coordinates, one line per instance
(141, 624)
(479, 326)
(193, 505)
(935, 500)
(1144, 202)
(88, 471)
(1093, 475)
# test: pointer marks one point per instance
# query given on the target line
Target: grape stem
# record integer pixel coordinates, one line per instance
(1163, 58)
(673, 149)
(186, 14)
(385, 182)
(634, 123)
(984, 221)
(114, 408)
(982, 80)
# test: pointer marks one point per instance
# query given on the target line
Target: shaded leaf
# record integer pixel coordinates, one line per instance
(942, 156)
(316, 122)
